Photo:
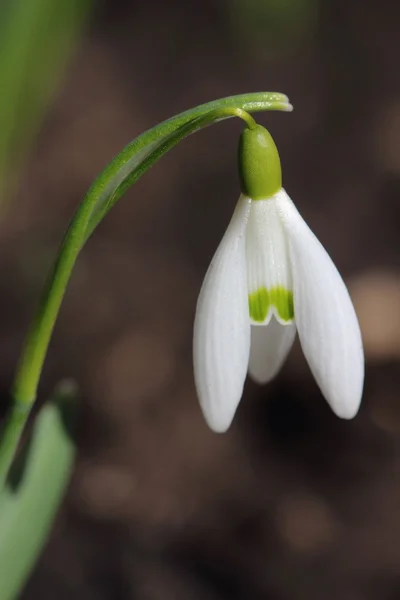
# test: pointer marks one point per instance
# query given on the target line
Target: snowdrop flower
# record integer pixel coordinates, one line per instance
(269, 278)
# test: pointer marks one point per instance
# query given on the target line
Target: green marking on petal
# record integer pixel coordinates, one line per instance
(262, 300)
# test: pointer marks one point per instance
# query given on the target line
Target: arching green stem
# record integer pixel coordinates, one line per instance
(123, 171)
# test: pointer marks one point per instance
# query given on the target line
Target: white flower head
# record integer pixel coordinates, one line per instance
(269, 277)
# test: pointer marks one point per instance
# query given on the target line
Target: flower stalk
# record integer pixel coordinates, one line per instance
(123, 171)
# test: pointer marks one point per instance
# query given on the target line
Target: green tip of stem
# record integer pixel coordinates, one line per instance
(260, 171)
(246, 117)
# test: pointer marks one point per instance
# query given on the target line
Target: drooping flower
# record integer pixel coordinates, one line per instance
(269, 278)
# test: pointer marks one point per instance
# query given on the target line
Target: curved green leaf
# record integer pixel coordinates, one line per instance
(33, 491)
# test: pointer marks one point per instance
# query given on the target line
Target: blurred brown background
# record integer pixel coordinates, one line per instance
(291, 503)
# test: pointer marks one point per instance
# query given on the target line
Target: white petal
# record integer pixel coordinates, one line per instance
(326, 320)
(268, 267)
(269, 348)
(221, 340)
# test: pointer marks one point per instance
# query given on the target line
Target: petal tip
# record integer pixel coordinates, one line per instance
(218, 421)
(218, 426)
(346, 405)
(347, 412)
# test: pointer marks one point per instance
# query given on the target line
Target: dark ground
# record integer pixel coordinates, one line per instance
(291, 503)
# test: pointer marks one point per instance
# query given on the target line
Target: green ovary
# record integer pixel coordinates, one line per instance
(262, 300)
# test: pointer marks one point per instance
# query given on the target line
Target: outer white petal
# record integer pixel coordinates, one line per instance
(268, 265)
(326, 320)
(221, 341)
(269, 348)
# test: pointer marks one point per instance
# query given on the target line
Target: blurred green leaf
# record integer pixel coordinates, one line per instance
(36, 38)
(34, 490)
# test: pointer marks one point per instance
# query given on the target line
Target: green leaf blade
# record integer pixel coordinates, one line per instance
(33, 492)
(36, 39)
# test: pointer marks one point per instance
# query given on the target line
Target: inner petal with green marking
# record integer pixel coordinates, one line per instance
(269, 271)
(278, 300)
